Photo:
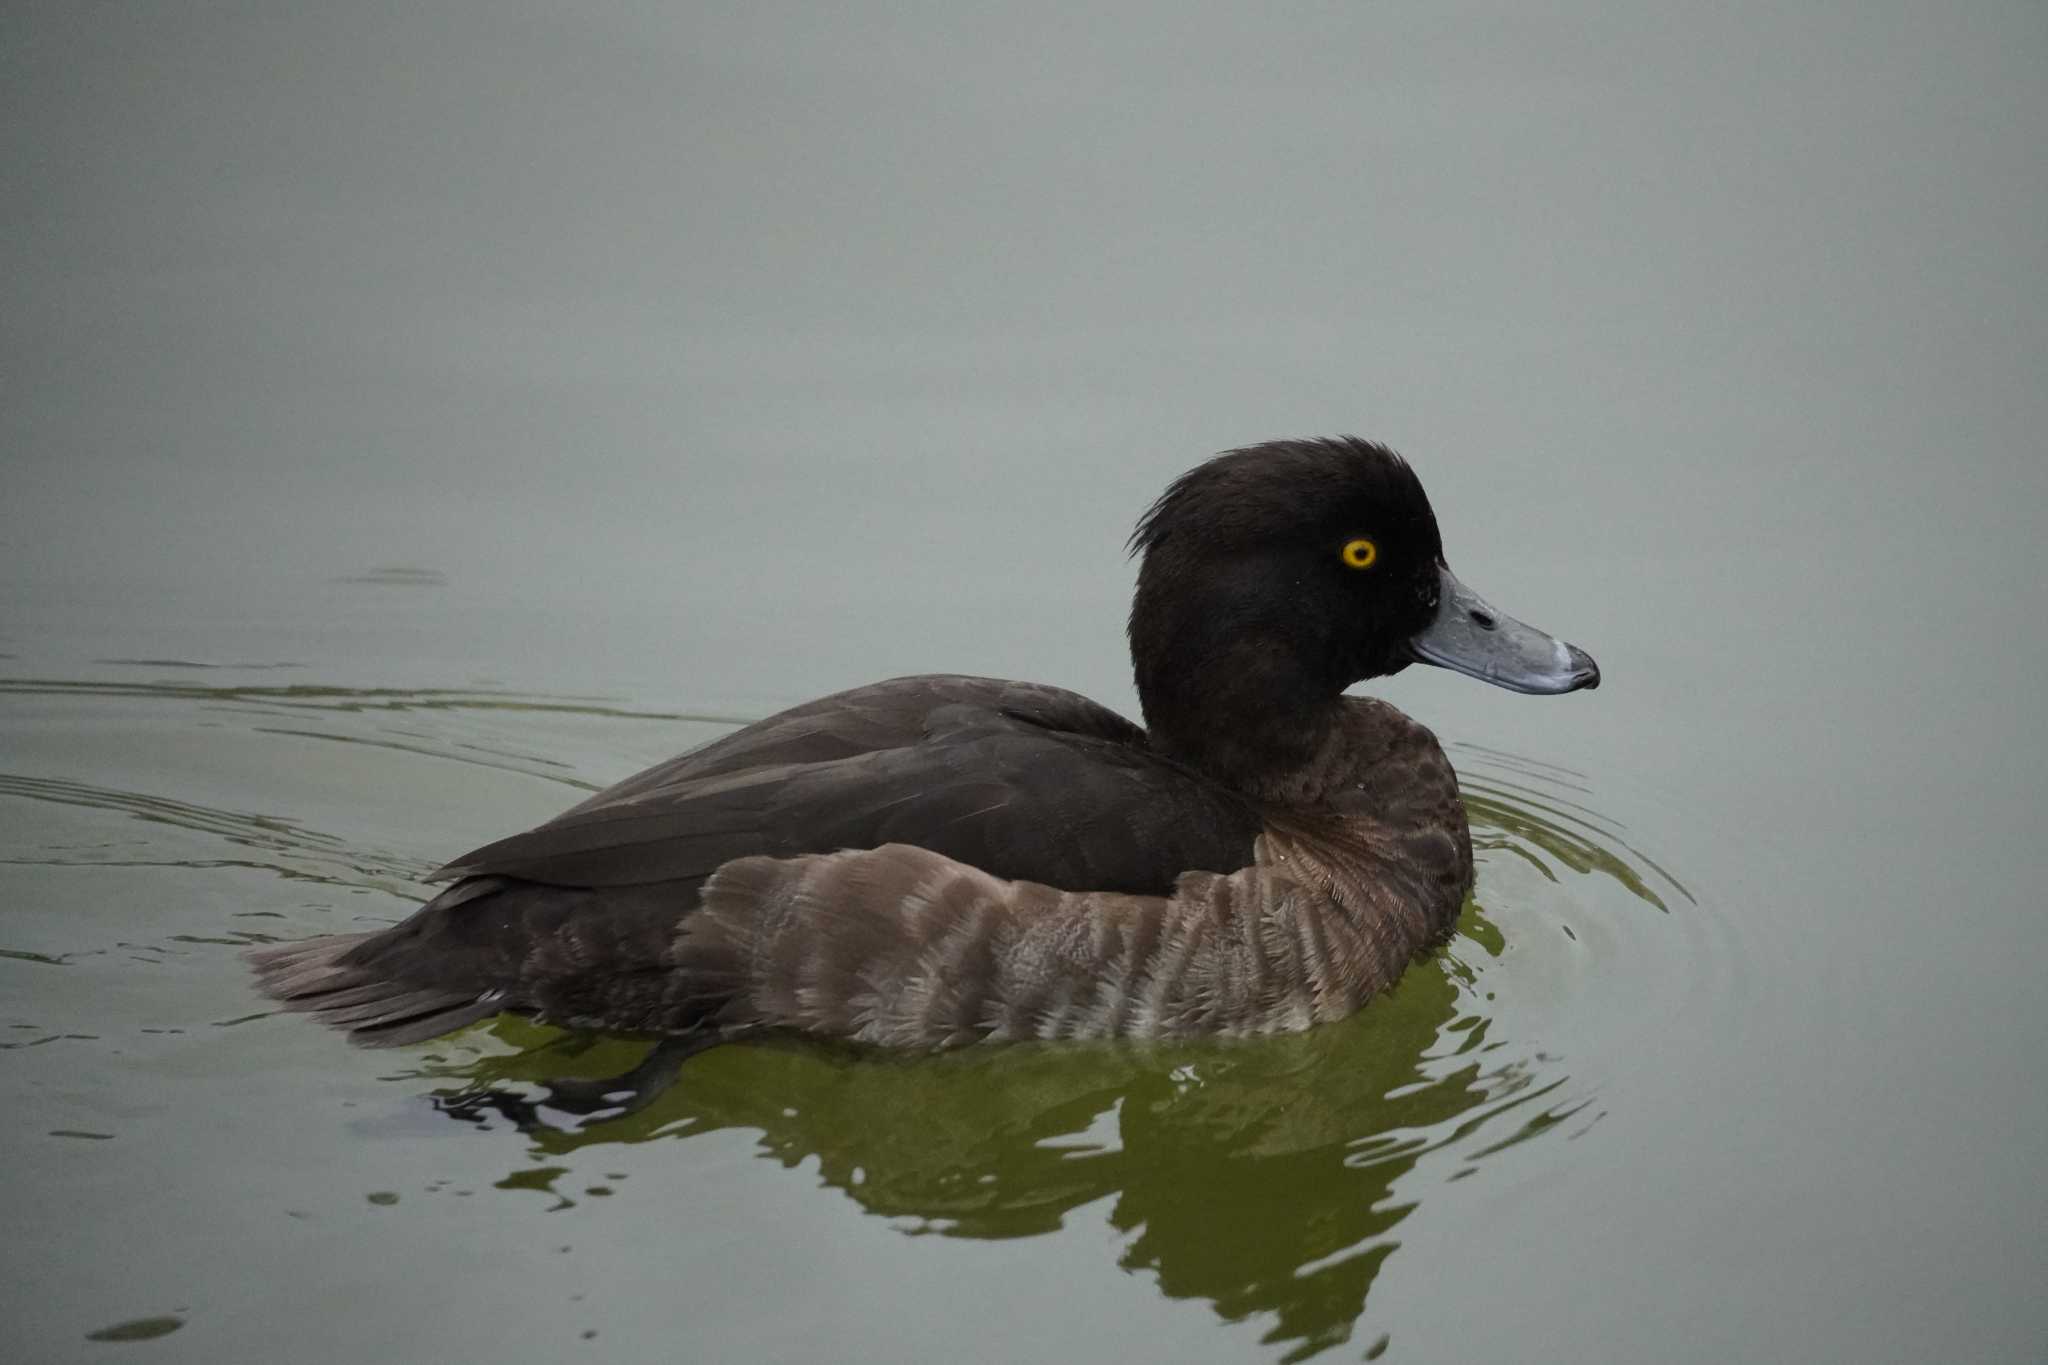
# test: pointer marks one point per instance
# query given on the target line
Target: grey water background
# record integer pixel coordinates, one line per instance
(417, 415)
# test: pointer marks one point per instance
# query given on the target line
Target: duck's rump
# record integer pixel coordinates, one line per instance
(578, 918)
(579, 955)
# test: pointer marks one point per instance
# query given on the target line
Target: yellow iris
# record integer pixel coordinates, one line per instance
(1361, 553)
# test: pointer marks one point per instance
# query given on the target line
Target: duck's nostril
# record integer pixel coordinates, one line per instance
(1484, 620)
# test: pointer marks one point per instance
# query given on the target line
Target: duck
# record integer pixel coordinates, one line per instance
(939, 860)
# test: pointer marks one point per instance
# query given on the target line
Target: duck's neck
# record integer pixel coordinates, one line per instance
(1249, 740)
(1240, 694)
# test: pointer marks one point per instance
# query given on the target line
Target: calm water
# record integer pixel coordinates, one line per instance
(415, 419)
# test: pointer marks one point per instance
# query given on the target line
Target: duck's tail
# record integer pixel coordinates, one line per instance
(327, 978)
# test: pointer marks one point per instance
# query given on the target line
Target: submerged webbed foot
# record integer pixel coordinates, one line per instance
(580, 1100)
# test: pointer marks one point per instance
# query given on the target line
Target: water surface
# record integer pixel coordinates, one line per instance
(418, 416)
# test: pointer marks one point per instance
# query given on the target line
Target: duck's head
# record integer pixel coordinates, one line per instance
(1288, 571)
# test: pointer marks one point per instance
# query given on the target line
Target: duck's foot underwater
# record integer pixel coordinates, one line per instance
(584, 1100)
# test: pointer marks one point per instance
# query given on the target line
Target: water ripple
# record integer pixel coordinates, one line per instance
(316, 697)
(294, 850)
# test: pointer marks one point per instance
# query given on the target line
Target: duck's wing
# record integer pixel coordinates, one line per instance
(861, 720)
(1021, 781)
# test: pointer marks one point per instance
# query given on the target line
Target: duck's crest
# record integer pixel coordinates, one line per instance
(1257, 491)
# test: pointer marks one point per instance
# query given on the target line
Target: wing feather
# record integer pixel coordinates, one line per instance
(1022, 781)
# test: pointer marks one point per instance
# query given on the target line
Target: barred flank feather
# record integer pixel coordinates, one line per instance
(905, 947)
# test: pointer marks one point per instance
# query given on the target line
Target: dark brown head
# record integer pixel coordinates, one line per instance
(1278, 575)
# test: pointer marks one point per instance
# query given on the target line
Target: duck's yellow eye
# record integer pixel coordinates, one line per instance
(1361, 553)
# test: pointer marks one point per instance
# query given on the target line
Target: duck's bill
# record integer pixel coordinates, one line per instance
(1470, 636)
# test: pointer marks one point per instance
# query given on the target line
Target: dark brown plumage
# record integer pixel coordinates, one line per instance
(934, 860)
